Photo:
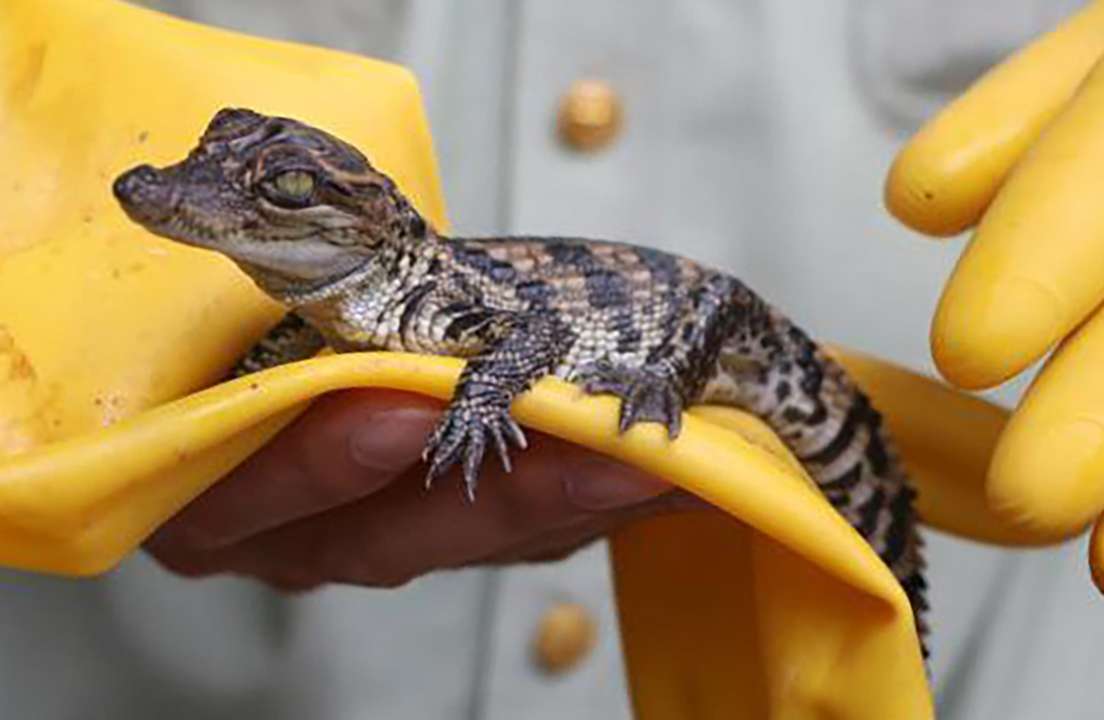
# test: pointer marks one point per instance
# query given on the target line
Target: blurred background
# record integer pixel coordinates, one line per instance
(747, 134)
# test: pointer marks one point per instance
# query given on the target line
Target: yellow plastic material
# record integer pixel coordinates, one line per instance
(1096, 554)
(945, 177)
(1022, 151)
(1035, 267)
(774, 608)
(1047, 471)
(93, 311)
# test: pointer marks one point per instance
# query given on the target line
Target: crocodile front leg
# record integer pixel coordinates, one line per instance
(290, 340)
(673, 373)
(518, 349)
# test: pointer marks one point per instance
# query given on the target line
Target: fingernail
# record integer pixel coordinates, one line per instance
(391, 441)
(602, 485)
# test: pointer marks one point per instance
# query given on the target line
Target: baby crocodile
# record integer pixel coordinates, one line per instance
(319, 229)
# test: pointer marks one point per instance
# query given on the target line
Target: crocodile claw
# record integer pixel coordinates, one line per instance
(462, 436)
(647, 394)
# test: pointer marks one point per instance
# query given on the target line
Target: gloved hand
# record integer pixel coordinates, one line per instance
(1021, 154)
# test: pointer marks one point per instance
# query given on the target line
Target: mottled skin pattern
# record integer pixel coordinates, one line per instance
(318, 228)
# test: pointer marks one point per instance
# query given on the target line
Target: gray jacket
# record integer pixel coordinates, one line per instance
(756, 137)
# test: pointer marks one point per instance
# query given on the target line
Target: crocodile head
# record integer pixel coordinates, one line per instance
(289, 203)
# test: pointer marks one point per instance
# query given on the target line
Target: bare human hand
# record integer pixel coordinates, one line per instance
(339, 496)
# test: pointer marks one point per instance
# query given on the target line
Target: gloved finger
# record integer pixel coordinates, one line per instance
(946, 439)
(1047, 471)
(1035, 268)
(402, 532)
(1096, 554)
(345, 447)
(946, 176)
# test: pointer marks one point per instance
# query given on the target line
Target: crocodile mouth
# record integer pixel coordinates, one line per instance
(151, 200)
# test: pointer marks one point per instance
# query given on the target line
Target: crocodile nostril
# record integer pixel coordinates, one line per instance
(133, 184)
(145, 194)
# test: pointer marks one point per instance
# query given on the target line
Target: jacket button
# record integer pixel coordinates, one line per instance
(565, 636)
(590, 116)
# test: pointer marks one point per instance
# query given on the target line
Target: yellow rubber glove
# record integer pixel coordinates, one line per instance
(107, 336)
(1021, 153)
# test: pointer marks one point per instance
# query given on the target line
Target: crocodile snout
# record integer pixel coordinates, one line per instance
(144, 193)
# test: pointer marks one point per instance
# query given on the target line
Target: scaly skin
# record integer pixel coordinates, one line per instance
(318, 228)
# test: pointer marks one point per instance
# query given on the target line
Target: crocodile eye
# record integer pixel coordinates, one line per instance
(293, 188)
(295, 183)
